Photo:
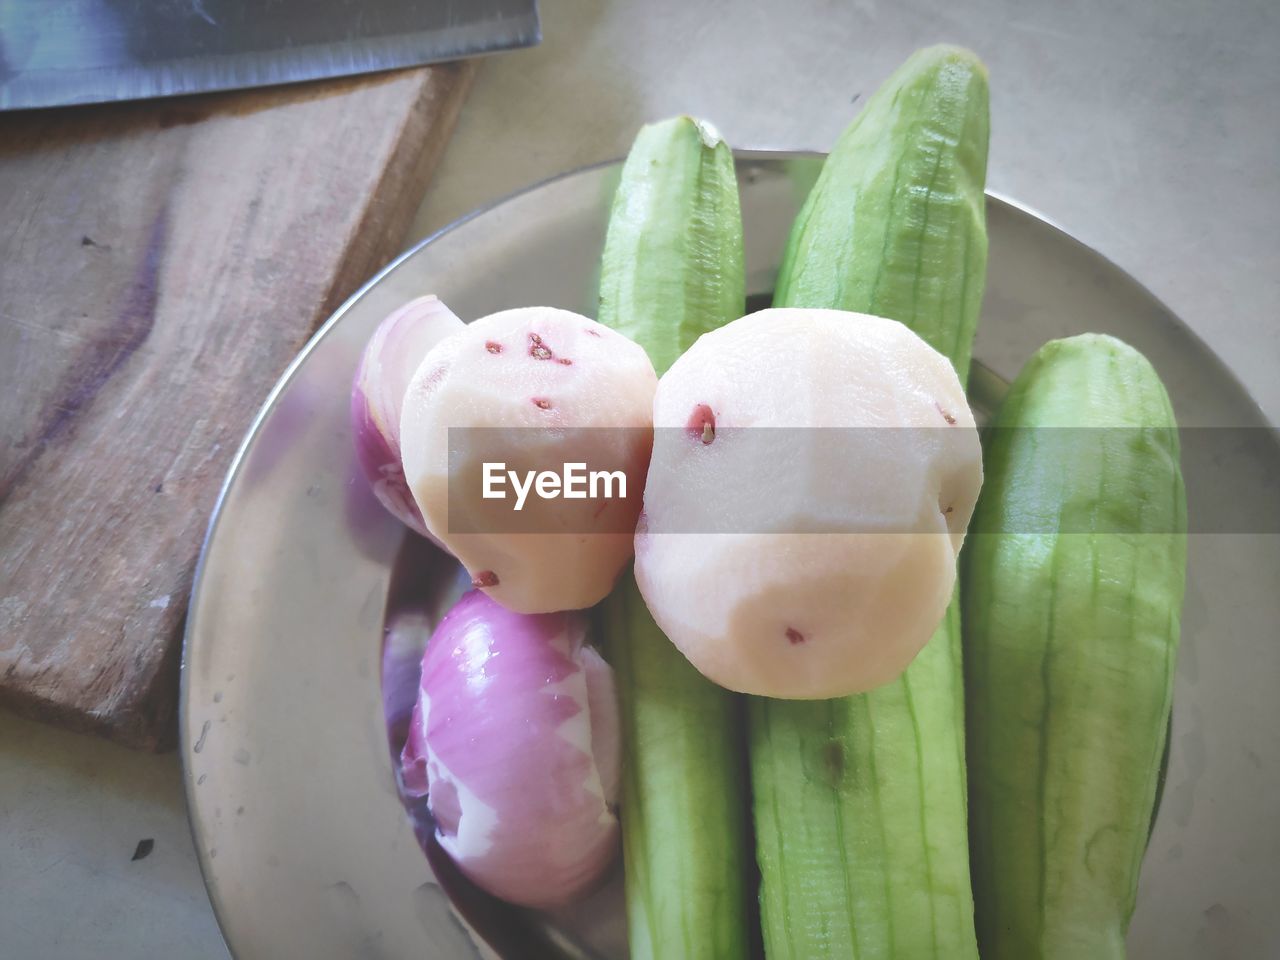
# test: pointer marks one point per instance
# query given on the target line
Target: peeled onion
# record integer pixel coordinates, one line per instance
(377, 397)
(514, 741)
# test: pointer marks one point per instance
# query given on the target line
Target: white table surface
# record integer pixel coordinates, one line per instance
(1149, 130)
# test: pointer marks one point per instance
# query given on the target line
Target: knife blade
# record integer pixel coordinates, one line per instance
(62, 52)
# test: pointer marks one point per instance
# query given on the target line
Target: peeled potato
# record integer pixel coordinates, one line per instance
(812, 477)
(534, 389)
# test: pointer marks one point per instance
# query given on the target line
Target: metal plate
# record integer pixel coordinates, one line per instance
(94, 51)
(302, 839)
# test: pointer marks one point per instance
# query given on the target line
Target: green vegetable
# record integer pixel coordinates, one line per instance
(684, 794)
(672, 267)
(860, 804)
(1072, 591)
(673, 270)
(896, 224)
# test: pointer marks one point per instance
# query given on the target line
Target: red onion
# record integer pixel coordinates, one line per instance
(514, 740)
(377, 396)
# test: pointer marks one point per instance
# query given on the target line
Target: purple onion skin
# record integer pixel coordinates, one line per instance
(425, 584)
(379, 459)
(377, 397)
(402, 671)
(514, 742)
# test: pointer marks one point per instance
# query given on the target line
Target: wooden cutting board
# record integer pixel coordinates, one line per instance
(160, 264)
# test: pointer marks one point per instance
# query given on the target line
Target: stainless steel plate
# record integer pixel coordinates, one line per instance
(303, 842)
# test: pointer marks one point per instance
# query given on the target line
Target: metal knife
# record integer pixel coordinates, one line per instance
(61, 52)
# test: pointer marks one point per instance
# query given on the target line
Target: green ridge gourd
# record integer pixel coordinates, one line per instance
(1073, 583)
(672, 270)
(860, 803)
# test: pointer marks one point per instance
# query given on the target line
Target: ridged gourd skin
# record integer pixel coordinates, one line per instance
(673, 258)
(860, 804)
(896, 224)
(1073, 582)
(672, 270)
(684, 804)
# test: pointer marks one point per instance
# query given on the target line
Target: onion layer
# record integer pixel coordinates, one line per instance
(377, 397)
(514, 741)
